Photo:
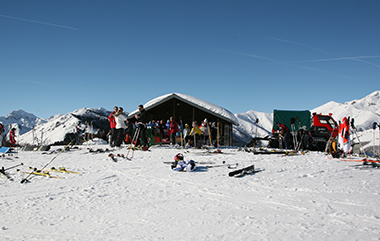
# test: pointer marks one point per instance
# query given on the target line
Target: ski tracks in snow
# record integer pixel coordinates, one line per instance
(295, 198)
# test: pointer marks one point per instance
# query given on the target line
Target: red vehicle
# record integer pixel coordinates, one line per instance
(323, 127)
(320, 127)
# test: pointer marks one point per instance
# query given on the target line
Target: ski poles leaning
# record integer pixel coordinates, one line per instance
(26, 179)
(356, 133)
(133, 142)
(374, 125)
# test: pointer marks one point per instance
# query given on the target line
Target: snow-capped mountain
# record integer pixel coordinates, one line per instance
(252, 124)
(20, 120)
(62, 128)
(365, 111)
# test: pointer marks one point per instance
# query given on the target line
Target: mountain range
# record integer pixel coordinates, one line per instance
(56, 129)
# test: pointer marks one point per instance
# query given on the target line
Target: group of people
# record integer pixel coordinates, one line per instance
(302, 136)
(200, 134)
(122, 129)
(9, 139)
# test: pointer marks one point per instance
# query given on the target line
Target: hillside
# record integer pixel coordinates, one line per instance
(62, 128)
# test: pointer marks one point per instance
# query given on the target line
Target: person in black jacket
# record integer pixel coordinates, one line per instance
(141, 124)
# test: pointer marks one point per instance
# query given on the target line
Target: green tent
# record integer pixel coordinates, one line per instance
(286, 117)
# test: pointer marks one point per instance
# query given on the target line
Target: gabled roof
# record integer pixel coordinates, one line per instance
(193, 101)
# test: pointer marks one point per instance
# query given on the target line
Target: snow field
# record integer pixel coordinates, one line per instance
(301, 197)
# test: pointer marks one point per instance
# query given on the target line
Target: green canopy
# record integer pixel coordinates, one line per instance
(286, 117)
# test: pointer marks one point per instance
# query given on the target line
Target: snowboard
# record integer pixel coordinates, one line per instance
(4, 149)
(244, 171)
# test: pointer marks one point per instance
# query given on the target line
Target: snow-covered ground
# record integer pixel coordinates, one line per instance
(302, 197)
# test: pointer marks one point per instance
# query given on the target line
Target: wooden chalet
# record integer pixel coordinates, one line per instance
(186, 108)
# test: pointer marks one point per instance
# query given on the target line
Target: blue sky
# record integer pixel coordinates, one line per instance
(58, 56)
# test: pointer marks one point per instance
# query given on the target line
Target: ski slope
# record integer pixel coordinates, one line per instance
(301, 197)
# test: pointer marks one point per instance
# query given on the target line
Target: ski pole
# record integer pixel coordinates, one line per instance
(374, 125)
(181, 132)
(26, 179)
(13, 167)
(87, 143)
(209, 135)
(379, 140)
(217, 136)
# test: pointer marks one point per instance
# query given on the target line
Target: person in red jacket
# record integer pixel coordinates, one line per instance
(173, 130)
(284, 131)
(112, 121)
(12, 137)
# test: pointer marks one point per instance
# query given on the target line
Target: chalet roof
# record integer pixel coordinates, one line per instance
(193, 101)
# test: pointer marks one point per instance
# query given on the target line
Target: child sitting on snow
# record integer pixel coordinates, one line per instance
(181, 165)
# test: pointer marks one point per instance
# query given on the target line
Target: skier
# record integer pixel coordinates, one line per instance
(181, 165)
(120, 119)
(284, 131)
(141, 124)
(12, 137)
(344, 136)
(2, 130)
(112, 121)
(186, 131)
(204, 129)
(173, 130)
(195, 134)
(214, 132)
(306, 139)
(129, 132)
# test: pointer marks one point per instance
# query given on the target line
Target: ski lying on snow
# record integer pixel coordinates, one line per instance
(204, 162)
(62, 169)
(273, 152)
(360, 160)
(45, 174)
(224, 165)
(244, 171)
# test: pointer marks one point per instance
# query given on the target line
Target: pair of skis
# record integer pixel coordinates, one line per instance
(46, 173)
(32, 173)
(42, 173)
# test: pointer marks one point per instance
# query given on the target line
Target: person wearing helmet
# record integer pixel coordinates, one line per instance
(181, 165)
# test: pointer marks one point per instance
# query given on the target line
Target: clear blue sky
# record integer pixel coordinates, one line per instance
(58, 56)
